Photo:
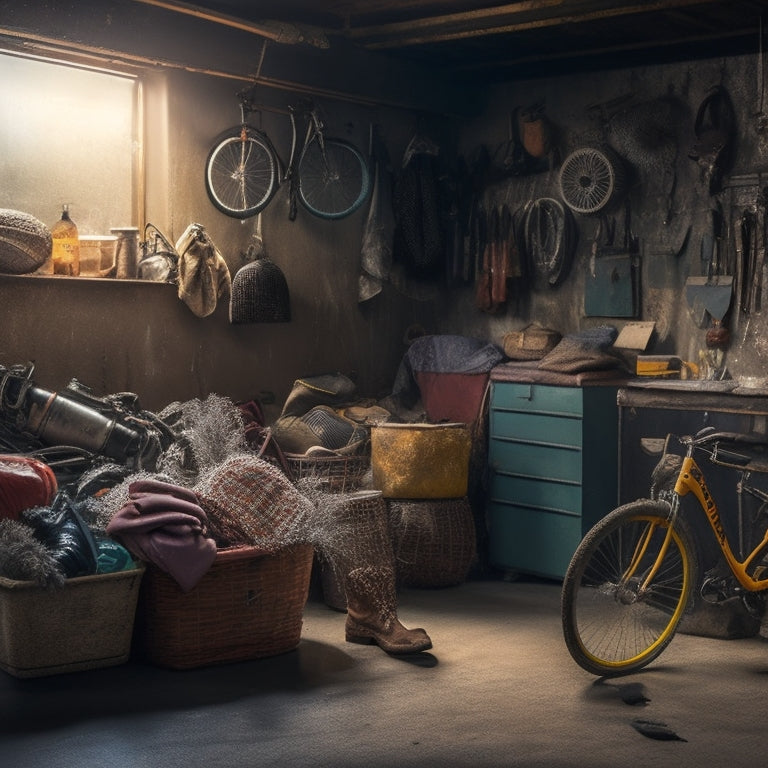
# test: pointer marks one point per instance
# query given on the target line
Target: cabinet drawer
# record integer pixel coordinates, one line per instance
(536, 493)
(544, 461)
(533, 427)
(532, 541)
(537, 398)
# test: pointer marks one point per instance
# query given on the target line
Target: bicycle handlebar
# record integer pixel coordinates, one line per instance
(711, 435)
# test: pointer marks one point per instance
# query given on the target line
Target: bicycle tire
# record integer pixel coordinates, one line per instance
(335, 183)
(241, 172)
(611, 629)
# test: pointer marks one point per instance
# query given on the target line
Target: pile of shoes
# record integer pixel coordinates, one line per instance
(313, 418)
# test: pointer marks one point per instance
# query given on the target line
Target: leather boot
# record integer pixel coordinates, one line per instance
(372, 613)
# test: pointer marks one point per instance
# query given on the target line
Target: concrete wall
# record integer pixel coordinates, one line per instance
(647, 115)
(126, 335)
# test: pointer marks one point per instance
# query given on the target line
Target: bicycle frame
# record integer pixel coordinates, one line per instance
(314, 132)
(691, 480)
(328, 176)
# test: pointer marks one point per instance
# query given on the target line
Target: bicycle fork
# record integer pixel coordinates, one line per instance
(639, 554)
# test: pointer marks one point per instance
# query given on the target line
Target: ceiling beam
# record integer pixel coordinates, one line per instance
(500, 20)
(540, 58)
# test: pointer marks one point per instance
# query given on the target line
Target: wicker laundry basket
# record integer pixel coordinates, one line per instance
(433, 539)
(86, 624)
(248, 605)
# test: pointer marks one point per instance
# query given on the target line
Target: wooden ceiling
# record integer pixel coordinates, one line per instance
(495, 41)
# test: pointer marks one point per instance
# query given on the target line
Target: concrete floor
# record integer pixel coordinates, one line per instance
(498, 689)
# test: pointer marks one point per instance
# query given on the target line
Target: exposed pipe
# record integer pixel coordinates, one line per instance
(102, 58)
(277, 31)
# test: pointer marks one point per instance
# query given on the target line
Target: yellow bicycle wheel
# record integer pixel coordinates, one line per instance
(627, 587)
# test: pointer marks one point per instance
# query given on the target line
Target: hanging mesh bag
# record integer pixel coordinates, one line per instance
(259, 294)
(259, 288)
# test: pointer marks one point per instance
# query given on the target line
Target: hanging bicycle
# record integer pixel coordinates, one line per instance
(242, 172)
(328, 176)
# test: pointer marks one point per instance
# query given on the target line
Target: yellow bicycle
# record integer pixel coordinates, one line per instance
(632, 578)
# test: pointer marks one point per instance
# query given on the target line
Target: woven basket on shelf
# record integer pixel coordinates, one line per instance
(433, 539)
(337, 474)
(248, 605)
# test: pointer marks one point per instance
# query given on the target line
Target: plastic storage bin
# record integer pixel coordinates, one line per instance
(86, 624)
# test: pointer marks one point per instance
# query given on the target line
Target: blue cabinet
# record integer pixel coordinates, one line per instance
(553, 460)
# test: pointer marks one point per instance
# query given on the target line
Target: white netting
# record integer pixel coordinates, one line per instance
(207, 432)
(249, 500)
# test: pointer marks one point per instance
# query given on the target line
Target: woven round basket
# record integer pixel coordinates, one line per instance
(433, 539)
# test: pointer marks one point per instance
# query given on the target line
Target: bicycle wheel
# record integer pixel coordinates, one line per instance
(613, 622)
(334, 180)
(241, 173)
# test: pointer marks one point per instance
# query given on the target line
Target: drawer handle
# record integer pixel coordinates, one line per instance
(527, 394)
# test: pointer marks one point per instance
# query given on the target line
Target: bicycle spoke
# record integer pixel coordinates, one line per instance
(241, 174)
(625, 593)
(333, 179)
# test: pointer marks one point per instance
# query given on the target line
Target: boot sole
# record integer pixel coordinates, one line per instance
(394, 651)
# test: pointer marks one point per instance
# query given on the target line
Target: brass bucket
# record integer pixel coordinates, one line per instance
(421, 461)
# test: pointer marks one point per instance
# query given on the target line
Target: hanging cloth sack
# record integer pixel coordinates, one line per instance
(203, 274)
(484, 287)
(259, 288)
(536, 132)
(376, 250)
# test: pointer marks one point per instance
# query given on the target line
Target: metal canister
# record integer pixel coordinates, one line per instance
(60, 420)
(126, 252)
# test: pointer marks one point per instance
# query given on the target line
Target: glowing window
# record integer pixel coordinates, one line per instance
(69, 134)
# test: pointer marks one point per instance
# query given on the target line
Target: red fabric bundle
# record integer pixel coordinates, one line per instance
(24, 483)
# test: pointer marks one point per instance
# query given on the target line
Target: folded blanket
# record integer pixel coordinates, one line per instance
(163, 524)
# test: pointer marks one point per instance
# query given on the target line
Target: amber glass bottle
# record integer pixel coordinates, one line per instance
(66, 245)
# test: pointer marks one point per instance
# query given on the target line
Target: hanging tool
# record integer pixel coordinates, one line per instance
(747, 227)
(709, 296)
(756, 289)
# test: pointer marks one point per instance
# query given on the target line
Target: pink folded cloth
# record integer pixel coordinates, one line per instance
(163, 524)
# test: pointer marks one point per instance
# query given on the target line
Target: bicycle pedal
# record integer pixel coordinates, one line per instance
(714, 591)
